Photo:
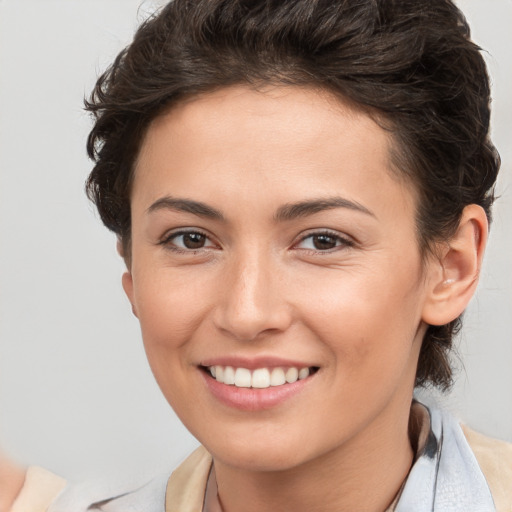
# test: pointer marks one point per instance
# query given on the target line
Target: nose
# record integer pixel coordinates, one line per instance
(252, 303)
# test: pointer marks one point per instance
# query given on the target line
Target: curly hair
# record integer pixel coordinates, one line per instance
(409, 63)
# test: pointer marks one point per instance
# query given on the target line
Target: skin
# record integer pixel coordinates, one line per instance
(11, 481)
(261, 286)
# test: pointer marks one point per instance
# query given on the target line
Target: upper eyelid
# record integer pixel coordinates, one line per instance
(329, 232)
(183, 231)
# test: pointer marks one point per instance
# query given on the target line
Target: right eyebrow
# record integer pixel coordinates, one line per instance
(185, 205)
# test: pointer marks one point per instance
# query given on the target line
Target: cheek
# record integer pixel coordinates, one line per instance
(367, 319)
(169, 303)
(168, 316)
(169, 310)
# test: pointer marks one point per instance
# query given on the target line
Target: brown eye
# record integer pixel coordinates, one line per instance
(194, 240)
(324, 242)
(187, 241)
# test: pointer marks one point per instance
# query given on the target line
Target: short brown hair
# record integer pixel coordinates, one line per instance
(410, 62)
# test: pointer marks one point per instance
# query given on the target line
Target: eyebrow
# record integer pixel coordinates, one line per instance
(304, 208)
(187, 206)
(286, 212)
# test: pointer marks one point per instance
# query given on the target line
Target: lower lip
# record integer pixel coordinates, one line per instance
(254, 399)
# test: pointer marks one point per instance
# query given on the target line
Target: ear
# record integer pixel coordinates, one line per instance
(453, 276)
(127, 281)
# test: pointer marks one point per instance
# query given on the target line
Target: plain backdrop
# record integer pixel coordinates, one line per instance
(76, 393)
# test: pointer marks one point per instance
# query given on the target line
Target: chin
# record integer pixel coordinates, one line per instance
(262, 450)
(257, 459)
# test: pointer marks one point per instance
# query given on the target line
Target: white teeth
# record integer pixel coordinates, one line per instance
(229, 375)
(277, 377)
(303, 373)
(242, 378)
(292, 374)
(259, 378)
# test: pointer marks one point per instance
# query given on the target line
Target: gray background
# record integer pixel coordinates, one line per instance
(76, 394)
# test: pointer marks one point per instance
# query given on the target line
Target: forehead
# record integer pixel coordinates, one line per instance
(303, 112)
(246, 137)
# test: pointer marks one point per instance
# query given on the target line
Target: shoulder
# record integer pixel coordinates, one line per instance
(495, 460)
(41, 487)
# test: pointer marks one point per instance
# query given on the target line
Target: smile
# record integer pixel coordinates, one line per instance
(259, 378)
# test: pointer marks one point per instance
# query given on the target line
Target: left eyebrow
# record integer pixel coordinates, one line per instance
(304, 208)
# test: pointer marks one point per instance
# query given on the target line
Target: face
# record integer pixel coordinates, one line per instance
(273, 247)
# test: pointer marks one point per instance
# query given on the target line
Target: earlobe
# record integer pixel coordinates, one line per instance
(454, 276)
(127, 281)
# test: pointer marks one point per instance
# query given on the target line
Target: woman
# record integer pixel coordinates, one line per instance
(301, 192)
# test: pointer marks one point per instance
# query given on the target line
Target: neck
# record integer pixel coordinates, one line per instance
(365, 473)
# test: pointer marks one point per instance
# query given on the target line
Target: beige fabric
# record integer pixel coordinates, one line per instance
(187, 484)
(495, 460)
(40, 488)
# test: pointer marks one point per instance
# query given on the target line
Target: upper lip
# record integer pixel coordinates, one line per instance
(255, 362)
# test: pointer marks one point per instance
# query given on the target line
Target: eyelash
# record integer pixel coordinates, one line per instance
(167, 241)
(343, 242)
(340, 241)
